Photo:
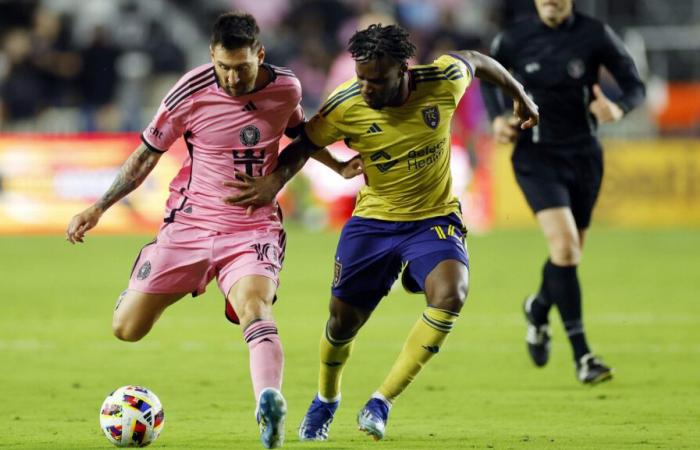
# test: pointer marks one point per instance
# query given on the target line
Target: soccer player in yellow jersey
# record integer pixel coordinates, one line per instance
(398, 118)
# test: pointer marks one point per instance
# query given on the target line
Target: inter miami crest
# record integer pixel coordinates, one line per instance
(431, 116)
(250, 135)
(144, 271)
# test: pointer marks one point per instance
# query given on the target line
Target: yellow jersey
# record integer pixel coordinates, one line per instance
(405, 149)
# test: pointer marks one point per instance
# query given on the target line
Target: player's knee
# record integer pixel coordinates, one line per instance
(253, 306)
(125, 331)
(566, 252)
(343, 326)
(450, 297)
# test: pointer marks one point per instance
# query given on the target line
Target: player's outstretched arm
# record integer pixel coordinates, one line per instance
(492, 71)
(259, 191)
(346, 169)
(132, 173)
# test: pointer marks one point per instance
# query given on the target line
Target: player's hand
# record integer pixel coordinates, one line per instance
(253, 192)
(505, 129)
(81, 223)
(603, 108)
(351, 168)
(526, 111)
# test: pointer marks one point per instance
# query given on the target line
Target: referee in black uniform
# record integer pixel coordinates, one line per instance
(558, 164)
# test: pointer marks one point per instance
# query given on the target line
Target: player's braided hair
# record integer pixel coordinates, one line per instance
(235, 30)
(377, 40)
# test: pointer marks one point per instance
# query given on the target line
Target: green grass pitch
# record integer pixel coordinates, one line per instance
(58, 359)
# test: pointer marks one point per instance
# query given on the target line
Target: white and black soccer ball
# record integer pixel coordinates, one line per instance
(132, 416)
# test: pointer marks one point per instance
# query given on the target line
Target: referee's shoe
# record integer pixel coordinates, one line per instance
(537, 337)
(591, 370)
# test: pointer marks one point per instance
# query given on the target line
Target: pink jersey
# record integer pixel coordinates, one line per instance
(224, 135)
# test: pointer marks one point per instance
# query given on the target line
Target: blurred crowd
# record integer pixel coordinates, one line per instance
(104, 65)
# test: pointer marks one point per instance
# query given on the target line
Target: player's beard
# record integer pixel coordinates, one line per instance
(239, 89)
(374, 102)
(379, 102)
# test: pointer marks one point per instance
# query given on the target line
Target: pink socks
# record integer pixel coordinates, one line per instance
(266, 357)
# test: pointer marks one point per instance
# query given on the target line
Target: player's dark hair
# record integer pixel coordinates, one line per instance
(376, 41)
(235, 30)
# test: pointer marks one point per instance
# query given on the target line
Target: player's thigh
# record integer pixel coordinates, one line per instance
(251, 297)
(177, 261)
(562, 235)
(429, 243)
(136, 312)
(366, 263)
(248, 266)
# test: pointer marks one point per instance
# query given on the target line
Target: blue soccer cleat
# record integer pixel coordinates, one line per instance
(317, 420)
(272, 410)
(373, 417)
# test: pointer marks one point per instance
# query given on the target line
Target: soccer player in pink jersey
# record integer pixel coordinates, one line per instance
(232, 113)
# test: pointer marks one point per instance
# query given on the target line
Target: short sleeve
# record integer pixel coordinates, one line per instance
(321, 130)
(324, 128)
(458, 71)
(168, 124)
(295, 124)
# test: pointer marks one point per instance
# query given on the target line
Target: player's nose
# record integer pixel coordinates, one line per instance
(231, 77)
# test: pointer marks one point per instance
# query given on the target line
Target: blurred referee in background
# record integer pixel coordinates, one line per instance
(558, 164)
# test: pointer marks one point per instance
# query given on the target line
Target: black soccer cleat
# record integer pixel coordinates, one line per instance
(537, 337)
(591, 370)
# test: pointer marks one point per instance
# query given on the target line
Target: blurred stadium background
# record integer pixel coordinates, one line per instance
(80, 78)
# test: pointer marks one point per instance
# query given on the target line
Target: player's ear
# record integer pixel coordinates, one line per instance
(261, 54)
(211, 53)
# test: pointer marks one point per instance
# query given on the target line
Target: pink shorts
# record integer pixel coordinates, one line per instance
(184, 259)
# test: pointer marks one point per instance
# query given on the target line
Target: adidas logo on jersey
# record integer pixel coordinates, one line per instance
(250, 106)
(374, 129)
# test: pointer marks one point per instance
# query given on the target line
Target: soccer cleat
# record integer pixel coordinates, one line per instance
(537, 337)
(272, 410)
(373, 417)
(591, 370)
(317, 420)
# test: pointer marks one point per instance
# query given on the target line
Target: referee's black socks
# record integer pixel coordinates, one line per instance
(560, 286)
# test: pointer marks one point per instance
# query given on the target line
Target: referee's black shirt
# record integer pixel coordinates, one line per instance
(558, 67)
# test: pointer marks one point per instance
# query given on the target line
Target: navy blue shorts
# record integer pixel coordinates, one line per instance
(371, 254)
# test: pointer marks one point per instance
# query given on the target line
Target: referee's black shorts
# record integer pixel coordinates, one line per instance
(555, 177)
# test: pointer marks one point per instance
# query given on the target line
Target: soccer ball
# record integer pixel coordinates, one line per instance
(131, 416)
